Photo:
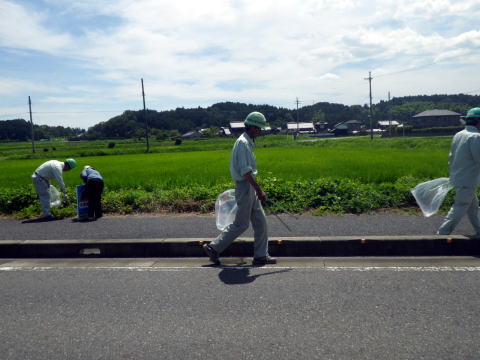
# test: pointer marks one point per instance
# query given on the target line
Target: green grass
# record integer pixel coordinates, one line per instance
(169, 170)
(22, 150)
(329, 175)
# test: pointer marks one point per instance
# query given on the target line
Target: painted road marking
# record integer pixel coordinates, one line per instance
(196, 268)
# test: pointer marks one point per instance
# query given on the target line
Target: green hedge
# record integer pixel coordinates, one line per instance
(434, 130)
(320, 196)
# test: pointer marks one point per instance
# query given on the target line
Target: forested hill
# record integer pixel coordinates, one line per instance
(132, 123)
(20, 130)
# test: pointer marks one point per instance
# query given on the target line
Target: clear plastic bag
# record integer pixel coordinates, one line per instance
(55, 197)
(430, 195)
(225, 209)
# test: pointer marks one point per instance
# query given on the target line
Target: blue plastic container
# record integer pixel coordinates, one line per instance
(82, 206)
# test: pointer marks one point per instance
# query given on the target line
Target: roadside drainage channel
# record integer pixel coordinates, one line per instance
(340, 246)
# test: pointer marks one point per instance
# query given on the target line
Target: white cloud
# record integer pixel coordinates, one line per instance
(26, 29)
(327, 76)
(16, 86)
(192, 52)
(431, 9)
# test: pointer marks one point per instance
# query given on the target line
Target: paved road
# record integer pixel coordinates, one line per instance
(132, 227)
(240, 313)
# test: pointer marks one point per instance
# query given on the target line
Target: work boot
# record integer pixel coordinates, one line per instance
(211, 253)
(264, 260)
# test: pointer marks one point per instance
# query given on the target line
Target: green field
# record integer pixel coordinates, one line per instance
(197, 170)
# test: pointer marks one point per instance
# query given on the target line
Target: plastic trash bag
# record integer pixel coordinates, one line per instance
(55, 198)
(430, 195)
(225, 209)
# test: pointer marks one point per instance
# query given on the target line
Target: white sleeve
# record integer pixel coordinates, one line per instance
(475, 148)
(57, 171)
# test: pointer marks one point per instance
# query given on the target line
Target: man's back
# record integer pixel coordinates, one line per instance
(464, 158)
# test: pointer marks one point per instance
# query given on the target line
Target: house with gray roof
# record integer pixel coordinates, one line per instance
(436, 118)
(300, 127)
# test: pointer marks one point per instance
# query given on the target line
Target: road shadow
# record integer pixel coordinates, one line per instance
(86, 220)
(40, 220)
(228, 262)
(240, 276)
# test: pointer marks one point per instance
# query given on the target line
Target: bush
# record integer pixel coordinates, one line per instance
(12, 200)
(321, 196)
(111, 145)
(178, 141)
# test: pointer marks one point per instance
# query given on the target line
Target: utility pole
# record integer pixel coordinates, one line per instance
(389, 116)
(296, 135)
(145, 117)
(370, 85)
(31, 123)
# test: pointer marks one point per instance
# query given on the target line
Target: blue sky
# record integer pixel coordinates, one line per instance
(81, 61)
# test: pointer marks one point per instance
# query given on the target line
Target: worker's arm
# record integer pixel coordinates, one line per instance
(249, 177)
(57, 172)
(84, 175)
(475, 148)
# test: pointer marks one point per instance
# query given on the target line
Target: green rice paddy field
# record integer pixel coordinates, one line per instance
(203, 164)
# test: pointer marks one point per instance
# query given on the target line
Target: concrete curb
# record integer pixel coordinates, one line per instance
(340, 246)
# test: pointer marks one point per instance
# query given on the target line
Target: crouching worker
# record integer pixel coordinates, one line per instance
(50, 170)
(248, 196)
(93, 191)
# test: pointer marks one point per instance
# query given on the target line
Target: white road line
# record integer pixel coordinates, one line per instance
(195, 268)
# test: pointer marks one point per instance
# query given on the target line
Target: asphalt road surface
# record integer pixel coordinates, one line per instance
(187, 226)
(240, 313)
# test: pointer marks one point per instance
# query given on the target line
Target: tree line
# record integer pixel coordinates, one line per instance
(163, 124)
(20, 130)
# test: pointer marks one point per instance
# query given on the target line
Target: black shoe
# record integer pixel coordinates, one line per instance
(264, 260)
(211, 253)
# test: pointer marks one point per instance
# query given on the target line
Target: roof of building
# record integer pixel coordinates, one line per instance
(436, 112)
(301, 125)
(192, 133)
(388, 122)
(353, 122)
(237, 125)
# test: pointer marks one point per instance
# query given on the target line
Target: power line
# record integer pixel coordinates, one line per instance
(420, 66)
(17, 114)
(76, 112)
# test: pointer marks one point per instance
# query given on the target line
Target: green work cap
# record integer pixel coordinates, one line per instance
(256, 119)
(473, 113)
(71, 162)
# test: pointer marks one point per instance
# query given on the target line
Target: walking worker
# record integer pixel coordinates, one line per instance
(50, 170)
(93, 191)
(248, 196)
(464, 170)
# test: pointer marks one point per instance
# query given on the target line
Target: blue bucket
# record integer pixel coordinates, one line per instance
(82, 206)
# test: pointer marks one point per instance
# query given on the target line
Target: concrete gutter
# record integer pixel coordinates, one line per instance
(337, 246)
